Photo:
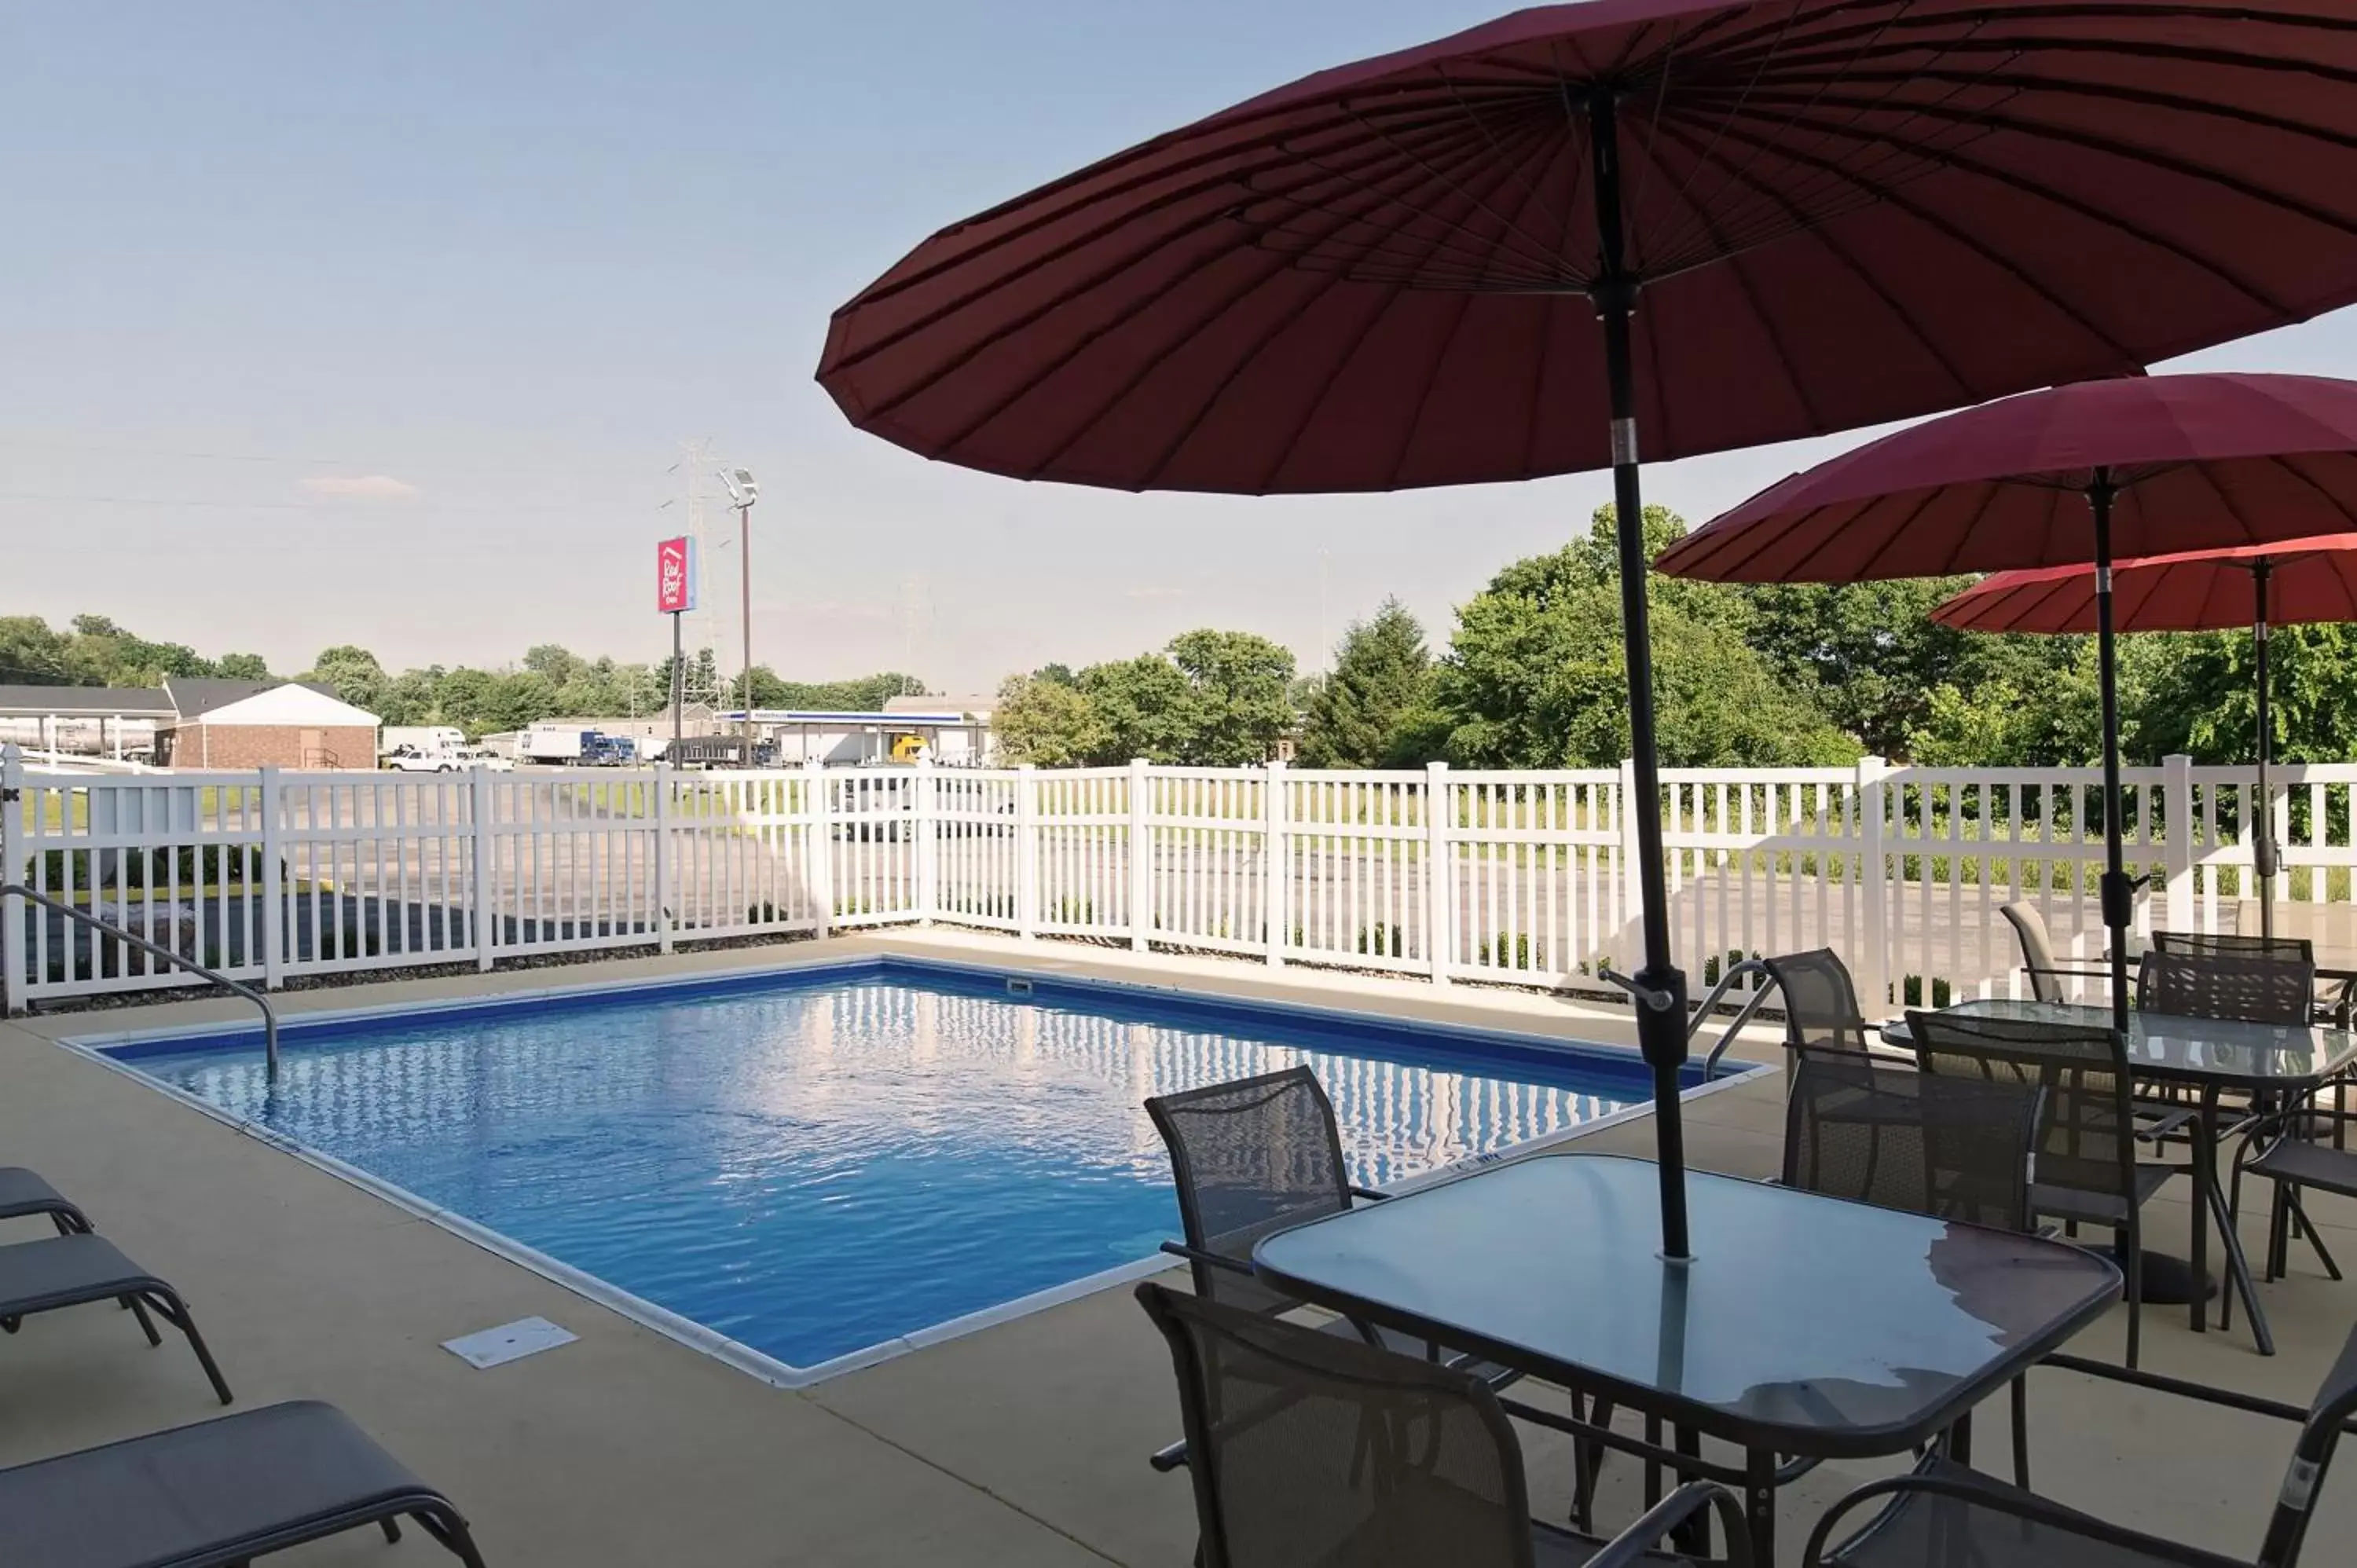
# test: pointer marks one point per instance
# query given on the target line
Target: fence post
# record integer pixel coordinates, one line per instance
(818, 870)
(1439, 874)
(2177, 800)
(12, 866)
(1870, 959)
(1629, 933)
(1275, 862)
(1027, 851)
(1141, 855)
(929, 849)
(486, 855)
(272, 889)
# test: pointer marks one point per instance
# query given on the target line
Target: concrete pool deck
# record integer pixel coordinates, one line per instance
(1023, 1444)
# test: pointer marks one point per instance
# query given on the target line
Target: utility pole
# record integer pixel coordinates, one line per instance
(742, 493)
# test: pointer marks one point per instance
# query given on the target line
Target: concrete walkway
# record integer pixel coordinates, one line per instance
(1021, 1444)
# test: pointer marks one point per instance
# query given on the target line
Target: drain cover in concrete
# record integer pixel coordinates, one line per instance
(509, 1342)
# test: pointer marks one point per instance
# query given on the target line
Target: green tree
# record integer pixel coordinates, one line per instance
(1049, 723)
(1236, 705)
(354, 674)
(1365, 713)
(1874, 657)
(30, 653)
(1145, 706)
(1535, 677)
(242, 667)
(2197, 694)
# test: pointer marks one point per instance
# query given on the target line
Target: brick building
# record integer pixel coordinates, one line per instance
(238, 724)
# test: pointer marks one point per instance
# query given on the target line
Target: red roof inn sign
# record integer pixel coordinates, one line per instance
(675, 576)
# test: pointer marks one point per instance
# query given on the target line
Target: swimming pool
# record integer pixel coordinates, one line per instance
(822, 1163)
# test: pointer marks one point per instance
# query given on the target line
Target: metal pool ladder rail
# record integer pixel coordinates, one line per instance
(1743, 1015)
(269, 1016)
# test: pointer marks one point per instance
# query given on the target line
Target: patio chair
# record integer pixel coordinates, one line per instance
(1945, 1513)
(1250, 1158)
(23, 1193)
(1353, 1457)
(2242, 990)
(2037, 961)
(220, 1492)
(2281, 1146)
(1821, 1010)
(1954, 1148)
(2087, 1170)
(79, 1267)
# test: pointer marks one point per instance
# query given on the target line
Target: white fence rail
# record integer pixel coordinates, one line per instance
(1523, 879)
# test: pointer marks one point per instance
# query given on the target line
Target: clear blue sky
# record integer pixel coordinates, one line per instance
(499, 259)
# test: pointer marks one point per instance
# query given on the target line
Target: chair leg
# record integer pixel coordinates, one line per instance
(2315, 1238)
(2135, 1296)
(2022, 1431)
(147, 1324)
(392, 1531)
(444, 1525)
(175, 1312)
(2279, 1233)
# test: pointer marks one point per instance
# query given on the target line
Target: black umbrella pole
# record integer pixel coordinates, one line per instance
(2262, 851)
(2118, 892)
(1660, 985)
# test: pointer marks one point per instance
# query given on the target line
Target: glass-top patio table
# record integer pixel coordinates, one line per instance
(1805, 1327)
(2212, 1054)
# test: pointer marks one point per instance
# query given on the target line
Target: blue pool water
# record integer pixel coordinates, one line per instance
(813, 1163)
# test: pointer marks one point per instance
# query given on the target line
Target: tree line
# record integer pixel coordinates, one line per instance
(1532, 676)
(550, 682)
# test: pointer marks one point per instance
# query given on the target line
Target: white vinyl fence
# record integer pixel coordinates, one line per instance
(1523, 878)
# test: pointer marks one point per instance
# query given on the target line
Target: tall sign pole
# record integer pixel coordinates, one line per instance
(675, 597)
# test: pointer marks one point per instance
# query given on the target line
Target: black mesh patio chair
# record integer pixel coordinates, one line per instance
(221, 1492)
(1348, 1457)
(1954, 1148)
(2244, 990)
(2213, 944)
(1250, 1158)
(2282, 1145)
(2087, 1171)
(1946, 1514)
(1821, 1010)
(2038, 960)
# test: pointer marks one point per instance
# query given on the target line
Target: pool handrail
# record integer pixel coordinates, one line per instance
(269, 1016)
(1743, 1015)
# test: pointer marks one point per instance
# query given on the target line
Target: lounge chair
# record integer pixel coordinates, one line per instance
(24, 1194)
(78, 1268)
(1319, 1449)
(218, 1494)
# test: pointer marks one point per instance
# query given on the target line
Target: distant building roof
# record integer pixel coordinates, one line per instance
(193, 698)
(82, 702)
(907, 717)
(290, 702)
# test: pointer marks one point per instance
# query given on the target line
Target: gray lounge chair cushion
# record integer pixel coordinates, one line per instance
(215, 1493)
(23, 1192)
(66, 1271)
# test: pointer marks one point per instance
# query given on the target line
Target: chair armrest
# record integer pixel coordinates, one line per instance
(2159, 1383)
(1634, 1544)
(2159, 1125)
(1214, 1260)
(1963, 1488)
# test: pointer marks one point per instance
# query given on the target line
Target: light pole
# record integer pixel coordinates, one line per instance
(742, 493)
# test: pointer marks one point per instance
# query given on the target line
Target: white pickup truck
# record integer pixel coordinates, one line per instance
(408, 760)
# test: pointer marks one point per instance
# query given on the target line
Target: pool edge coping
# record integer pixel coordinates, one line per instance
(685, 1331)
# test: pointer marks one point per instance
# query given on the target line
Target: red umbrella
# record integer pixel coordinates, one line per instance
(2205, 590)
(1833, 213)
(2139, 466)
